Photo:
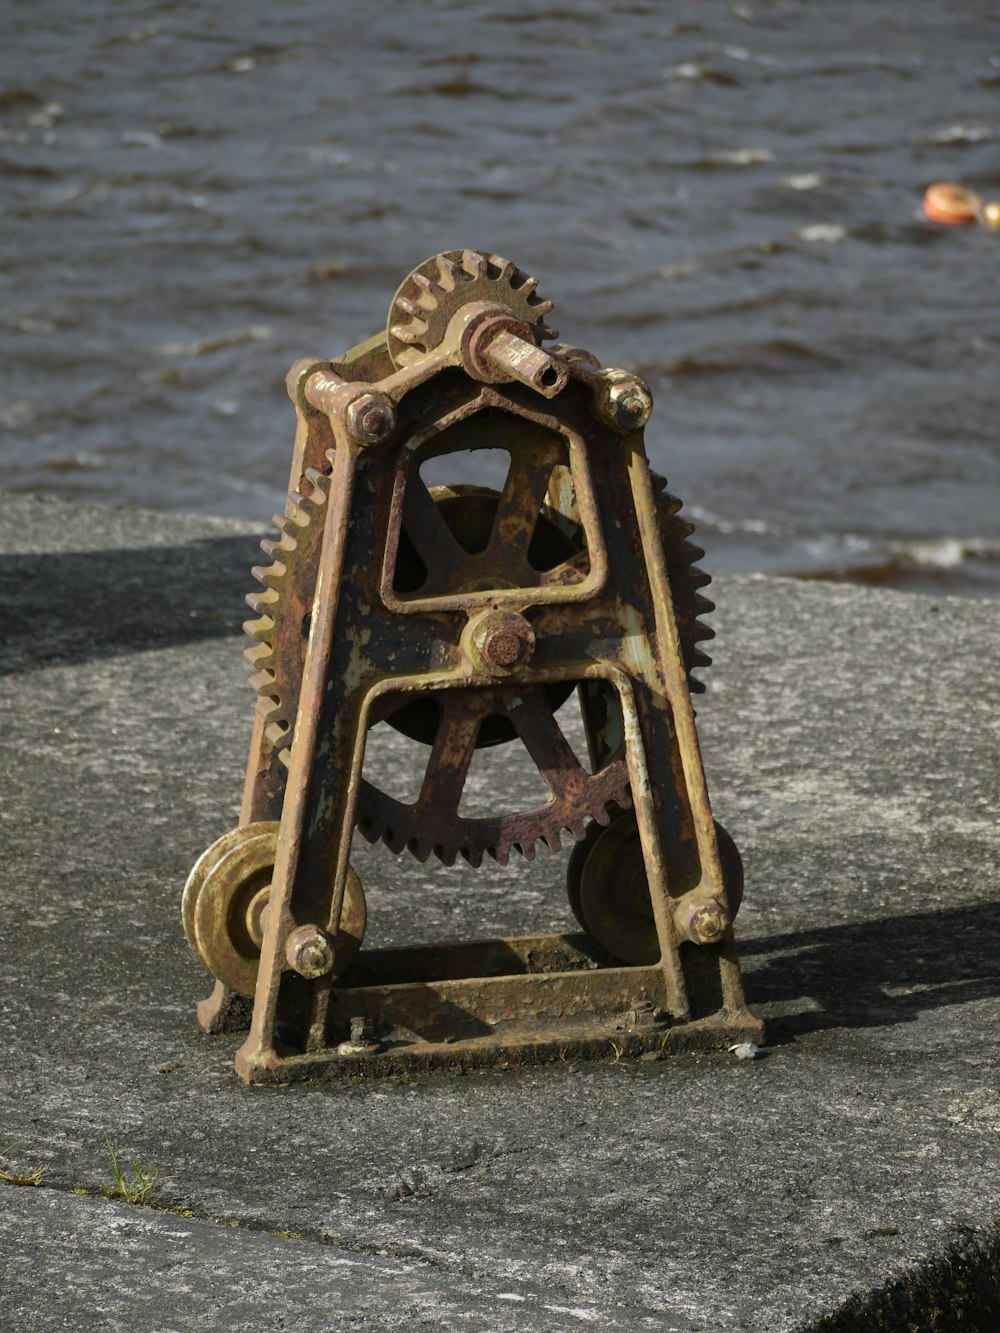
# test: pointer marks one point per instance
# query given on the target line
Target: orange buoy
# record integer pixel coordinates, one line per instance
(952, 204)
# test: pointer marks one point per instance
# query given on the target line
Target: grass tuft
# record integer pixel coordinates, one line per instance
(134, 1188)
(33, 1177)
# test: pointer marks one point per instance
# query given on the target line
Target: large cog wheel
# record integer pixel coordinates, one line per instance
(433, 824)
(437, 289)
(454, 722)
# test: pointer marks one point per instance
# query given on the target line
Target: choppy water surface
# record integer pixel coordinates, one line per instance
(722, 196)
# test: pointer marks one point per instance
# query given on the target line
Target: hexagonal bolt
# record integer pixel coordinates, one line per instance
(704, 921)
(309, 951)
(371, 418)
(627, 404)
(499, 642)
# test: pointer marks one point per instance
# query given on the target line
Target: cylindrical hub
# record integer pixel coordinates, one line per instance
(497, 347)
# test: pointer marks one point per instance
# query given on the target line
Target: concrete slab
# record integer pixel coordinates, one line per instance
(851, 744)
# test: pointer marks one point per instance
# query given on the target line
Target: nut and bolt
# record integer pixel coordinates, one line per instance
(499, 642)
(504, 648)
(630, 404)
(706, 922)
(309, 951)
(371, 418)
(362, 1040)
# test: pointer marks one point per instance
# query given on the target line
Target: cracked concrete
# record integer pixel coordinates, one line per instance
(851, 744)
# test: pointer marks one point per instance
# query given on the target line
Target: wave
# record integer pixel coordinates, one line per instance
(203, 346)
(882, 562)
(772, 356)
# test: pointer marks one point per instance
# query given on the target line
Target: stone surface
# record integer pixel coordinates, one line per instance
(851, 744)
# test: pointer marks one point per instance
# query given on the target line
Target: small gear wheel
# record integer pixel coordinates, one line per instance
(437, 289)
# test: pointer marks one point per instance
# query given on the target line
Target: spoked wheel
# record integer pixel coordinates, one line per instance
(609, 892)
(226, 898)
(457, 540)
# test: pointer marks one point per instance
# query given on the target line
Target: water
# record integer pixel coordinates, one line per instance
(724, 197)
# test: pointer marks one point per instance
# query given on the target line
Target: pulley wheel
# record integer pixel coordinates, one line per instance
(226, 895)
(609, 892)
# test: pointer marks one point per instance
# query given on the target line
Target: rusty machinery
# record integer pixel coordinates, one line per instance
(466, 616)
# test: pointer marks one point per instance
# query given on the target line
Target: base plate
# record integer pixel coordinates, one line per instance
(475, 1004)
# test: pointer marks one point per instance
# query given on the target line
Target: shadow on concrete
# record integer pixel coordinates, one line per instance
(75, 606)
(874, 973)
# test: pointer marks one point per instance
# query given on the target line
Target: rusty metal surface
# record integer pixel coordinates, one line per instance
(465, 617)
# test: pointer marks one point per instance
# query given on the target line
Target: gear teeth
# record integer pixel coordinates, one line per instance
(527, 287)
(394, 840)
(407, 334)
(670, 505)
(474, 856)
(703, 605)
(261, 631)
(271, 574)
(553, 840)
(508, 270)
(279, 734)
(268, 574)
(411, 307)
(476, 261)
(258, 656)
(296, 515)
(369, 830)
(419, 849)
(262, 680)
(268, 709)
(259, 602)
(301, 509)
(546, 331)
(428, 285)
(451, 273)
(276, 549)
(699, 659)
